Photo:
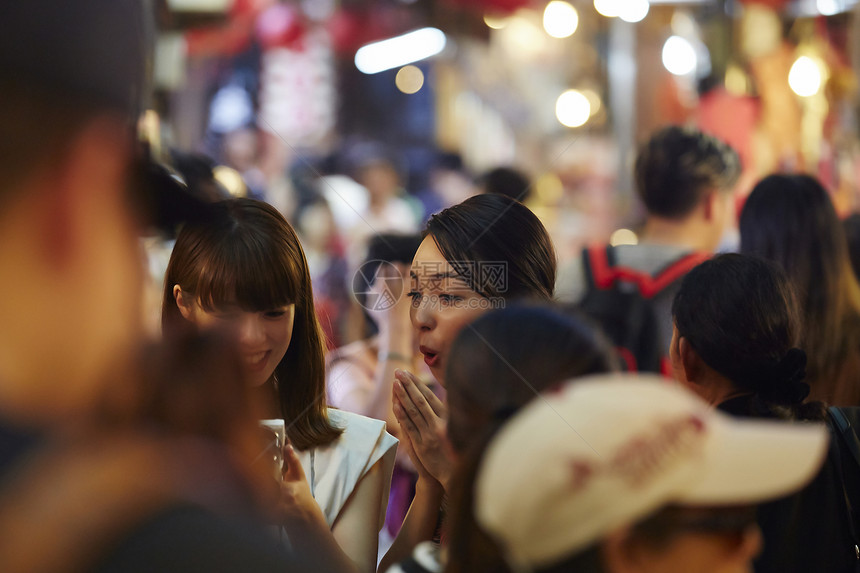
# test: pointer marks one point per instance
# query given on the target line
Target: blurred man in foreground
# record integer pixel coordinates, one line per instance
(72, 495)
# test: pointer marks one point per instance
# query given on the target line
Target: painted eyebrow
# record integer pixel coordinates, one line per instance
(448, 275)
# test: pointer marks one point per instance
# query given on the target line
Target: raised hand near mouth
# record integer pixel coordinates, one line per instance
(423, 418)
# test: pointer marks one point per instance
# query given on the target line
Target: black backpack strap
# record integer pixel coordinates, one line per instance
(841, 427)
(598, 263)
(846, 432)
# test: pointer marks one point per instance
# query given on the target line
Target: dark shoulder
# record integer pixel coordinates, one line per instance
(15, 444)
(189, 538)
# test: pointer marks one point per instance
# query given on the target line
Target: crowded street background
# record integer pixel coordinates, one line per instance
(430, 285)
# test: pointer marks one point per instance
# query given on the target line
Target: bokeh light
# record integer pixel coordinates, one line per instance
(400, 50)
(495, 22)
(804, 78)
(679, 56)
(560, 19)
(623, 237)
(409, 79)
(608, 8)
(633, 10)
(572, 108)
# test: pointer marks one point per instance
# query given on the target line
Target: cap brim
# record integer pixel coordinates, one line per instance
(750, 461)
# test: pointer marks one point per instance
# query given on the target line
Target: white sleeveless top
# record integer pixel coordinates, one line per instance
(334, 470)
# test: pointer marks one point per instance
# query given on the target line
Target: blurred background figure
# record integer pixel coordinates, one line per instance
(791, 220)
(99, 447)
(389, 208)
(685, 179)
(360, 375)
(326, 254)
(505, 181)
(449, 184)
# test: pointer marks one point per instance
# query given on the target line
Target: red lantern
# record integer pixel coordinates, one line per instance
(281, 26)
(500, 7)
(775, 5)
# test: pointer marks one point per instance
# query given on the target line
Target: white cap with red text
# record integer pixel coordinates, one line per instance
(607, 451)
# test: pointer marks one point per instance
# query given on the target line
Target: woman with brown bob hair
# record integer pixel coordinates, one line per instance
(240, 267)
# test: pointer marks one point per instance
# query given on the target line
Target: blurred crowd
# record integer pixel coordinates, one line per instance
(201, 370)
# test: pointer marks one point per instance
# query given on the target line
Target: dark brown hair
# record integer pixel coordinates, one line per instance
(36, 129)
(791, 220)
(498, 365)
(679, 166)
(740, 314)
(494, 228)
(243, 251)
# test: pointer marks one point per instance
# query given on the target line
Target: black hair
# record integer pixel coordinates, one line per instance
(497, 365)
(197, 170)
(382, 248)
(392, 248)
(678, 167)
(81, 62)
(506, 357)
(495, 229)
(448, 161)
(791, 220)
(740, 314)
(851, 226)
(505, 181)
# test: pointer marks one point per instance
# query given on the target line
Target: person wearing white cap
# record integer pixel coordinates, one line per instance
(622, 473)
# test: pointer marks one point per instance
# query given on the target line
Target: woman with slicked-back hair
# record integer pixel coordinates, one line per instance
(479, 255)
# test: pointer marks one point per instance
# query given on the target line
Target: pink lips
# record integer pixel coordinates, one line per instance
(431, 357)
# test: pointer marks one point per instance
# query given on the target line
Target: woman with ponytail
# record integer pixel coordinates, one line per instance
(736, 327)
(736, 330)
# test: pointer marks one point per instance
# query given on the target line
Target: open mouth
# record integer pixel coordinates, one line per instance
(431, 357)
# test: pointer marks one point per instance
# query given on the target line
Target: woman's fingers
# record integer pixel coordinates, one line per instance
(410, 385)
(405, 420)
(432, 399)
(411, 453)
(292, 468)
(408, 403)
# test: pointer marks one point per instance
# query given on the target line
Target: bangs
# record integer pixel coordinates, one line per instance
(250, 271)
